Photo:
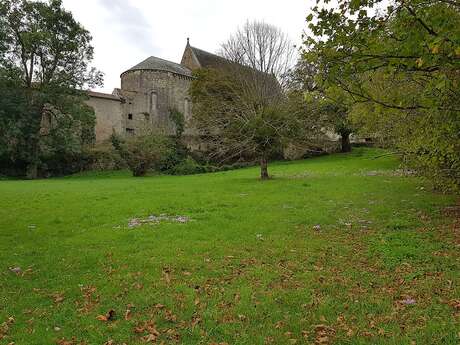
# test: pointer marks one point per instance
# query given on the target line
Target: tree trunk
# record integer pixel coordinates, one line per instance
(346, 146)
(32, 171)
(264, 169)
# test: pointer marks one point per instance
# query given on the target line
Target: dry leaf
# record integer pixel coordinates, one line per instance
(107, 317)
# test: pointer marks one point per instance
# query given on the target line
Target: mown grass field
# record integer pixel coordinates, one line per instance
(333, 250)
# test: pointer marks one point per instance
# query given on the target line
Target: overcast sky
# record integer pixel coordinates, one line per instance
(125, 32)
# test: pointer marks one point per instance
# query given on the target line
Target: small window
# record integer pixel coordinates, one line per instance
(153, 101)
(130, 116)
(129, 131)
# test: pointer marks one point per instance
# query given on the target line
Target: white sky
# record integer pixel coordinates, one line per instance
(125, 32)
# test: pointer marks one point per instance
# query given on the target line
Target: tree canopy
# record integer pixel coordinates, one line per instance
(44, 64)
(399, 64)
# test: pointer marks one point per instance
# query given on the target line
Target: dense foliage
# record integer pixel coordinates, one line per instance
(44, 56)
(399, 65)
(144, 151)
(326, 107)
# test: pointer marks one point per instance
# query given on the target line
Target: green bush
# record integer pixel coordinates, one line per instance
(143, 152)
(187, 167)
(104, 156)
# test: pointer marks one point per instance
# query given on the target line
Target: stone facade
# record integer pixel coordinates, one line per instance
(109, 114)
(150, 96)
(149, 92)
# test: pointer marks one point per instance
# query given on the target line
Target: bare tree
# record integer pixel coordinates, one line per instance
(240, 106)
(262, 47)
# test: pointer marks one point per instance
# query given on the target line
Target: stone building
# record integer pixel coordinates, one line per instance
(149, 92)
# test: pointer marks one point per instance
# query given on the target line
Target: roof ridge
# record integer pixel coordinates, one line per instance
(156, 63)
(158, 58)
(205, 51)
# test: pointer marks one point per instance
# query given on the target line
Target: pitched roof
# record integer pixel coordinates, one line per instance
(157, 64)
(103, 95)
(207, 59)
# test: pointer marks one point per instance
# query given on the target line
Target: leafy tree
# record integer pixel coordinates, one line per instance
(44, 57)
(327, 107)
(400, 60)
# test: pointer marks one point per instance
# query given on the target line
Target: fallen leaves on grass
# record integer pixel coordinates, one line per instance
(58, 297)
(5, 327)
(148, 328)
(195, 321)
(109, 316)
(166, 275)
(72, 341)
(128, 314)
(323, 334)
(455, 303)
(90, 299)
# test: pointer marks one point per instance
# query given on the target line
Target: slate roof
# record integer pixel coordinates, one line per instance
(157, 64)
(207, 59)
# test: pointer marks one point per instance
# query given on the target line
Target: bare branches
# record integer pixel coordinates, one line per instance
(262, 47)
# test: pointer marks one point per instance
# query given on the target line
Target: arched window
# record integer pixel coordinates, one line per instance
(153, 101)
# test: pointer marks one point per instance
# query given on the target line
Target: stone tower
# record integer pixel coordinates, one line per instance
(151, 90)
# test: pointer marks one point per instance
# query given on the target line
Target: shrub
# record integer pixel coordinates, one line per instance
(143, 152)
(187, 167)
(174, 157)
(104, 156)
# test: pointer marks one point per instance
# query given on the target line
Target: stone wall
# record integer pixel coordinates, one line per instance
(109, 114)
(150, 96)
(189, 59)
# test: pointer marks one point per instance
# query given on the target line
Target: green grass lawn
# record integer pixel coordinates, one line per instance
(333, 250)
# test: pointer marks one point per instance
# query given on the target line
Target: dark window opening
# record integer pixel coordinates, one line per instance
(130, 131)
(130, 116)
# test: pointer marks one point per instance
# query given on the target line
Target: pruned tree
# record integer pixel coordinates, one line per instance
(238, 108)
